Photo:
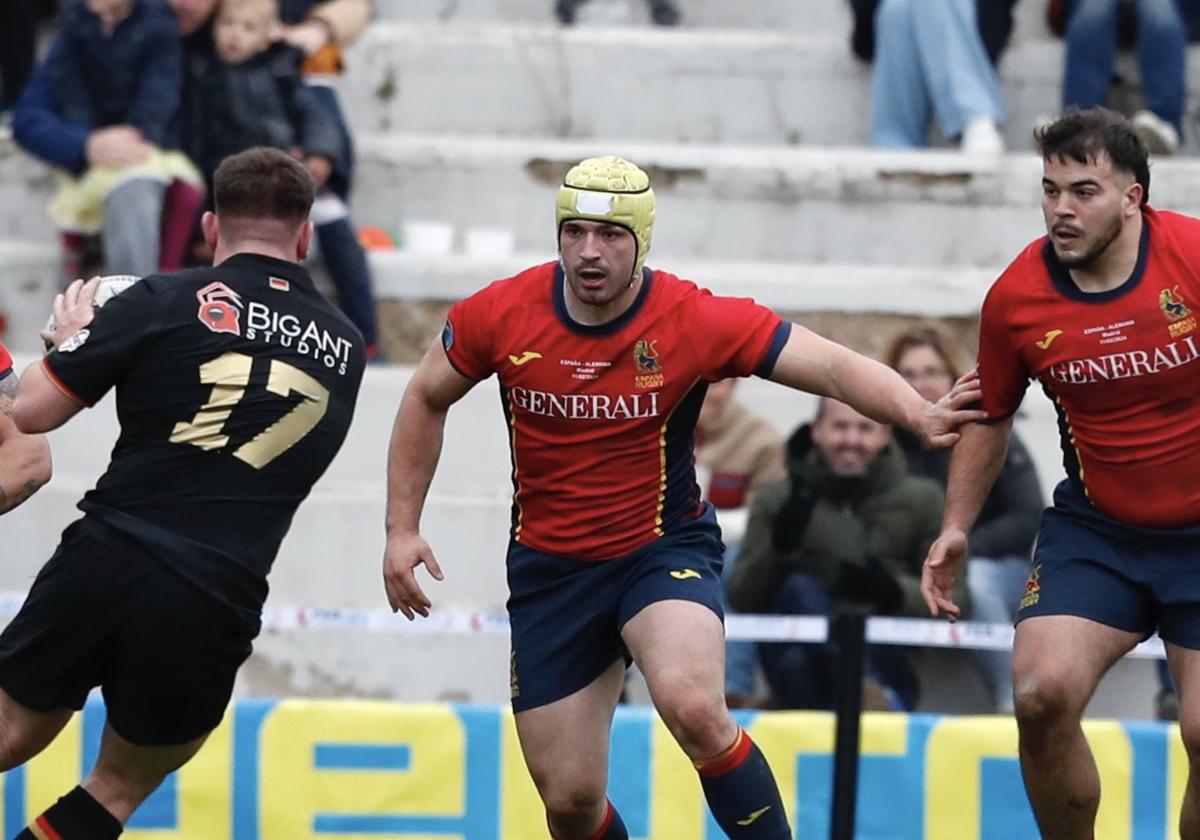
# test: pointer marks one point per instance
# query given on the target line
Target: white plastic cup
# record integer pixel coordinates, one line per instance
(428, 237)
(490, 242)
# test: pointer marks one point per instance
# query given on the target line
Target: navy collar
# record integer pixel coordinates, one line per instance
(1061, 276)
(608, 327)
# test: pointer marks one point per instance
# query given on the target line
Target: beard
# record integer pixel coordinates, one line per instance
(1103, 239)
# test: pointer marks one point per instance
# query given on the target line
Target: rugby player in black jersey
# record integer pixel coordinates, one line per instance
(235, 387)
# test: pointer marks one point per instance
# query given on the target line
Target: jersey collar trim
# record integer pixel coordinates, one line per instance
(271, 265)
(1061, 277)
(560, 306)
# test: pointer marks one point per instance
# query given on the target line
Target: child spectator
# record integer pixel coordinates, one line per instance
(249, 92)
(111, 88)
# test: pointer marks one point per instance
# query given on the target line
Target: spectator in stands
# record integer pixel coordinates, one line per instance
(934, 59)
(104, 107)
(1156, 30)
(739, 452)
(247, 92)
(319, 31)
(18, 39)
(1002, 539)
(662, 12)
(847, 528)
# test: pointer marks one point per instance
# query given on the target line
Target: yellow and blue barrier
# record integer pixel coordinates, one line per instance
(353, 770)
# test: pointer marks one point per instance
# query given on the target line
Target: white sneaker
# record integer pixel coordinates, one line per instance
(1160, 136)
(981, 137)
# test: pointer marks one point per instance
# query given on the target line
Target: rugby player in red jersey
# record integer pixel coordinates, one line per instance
(1101, 313)
(603, 365)
(24, 459)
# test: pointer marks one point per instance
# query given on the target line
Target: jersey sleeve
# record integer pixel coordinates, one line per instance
(468, 336)
(736, 336)
(6, 362)
(1002, 375)
(96, 359)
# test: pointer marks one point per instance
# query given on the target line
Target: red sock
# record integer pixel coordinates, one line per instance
(181, 208)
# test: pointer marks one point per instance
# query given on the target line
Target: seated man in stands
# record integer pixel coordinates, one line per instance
(848, 528)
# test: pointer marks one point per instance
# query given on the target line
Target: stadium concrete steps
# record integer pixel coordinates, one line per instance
(828, 17)
(764, 86)
(741, 203)
(716, 202)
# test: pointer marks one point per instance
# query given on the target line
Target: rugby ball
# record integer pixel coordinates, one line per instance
(110, 286)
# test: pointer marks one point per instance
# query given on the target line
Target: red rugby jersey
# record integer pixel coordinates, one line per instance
(601, 418)
(6, 362)
(1118, 366)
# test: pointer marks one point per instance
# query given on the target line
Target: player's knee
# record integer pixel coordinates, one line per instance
(14, 749)
(566, 803)
(699, 722)
(1041, 700)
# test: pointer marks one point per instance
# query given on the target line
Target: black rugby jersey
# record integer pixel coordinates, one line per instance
(235, 387)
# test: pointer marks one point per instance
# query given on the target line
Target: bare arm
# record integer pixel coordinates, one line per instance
(815, 364)
(42, 406)
(976, 462)
(413, 455)
(24, 459)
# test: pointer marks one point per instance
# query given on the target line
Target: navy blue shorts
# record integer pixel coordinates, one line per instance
(1135, 579)
(567, 615)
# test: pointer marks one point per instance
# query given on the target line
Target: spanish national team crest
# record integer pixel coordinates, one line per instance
(645, 361)
(1033, 588)
(219, 307)
(1180, 319)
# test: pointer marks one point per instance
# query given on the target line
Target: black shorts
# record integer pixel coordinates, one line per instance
(1134, 579)
(566, 615)
(104, 612)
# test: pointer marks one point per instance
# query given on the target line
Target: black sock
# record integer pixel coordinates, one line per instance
(77, 816)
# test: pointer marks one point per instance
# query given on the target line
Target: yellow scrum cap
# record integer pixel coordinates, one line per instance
(610, 189)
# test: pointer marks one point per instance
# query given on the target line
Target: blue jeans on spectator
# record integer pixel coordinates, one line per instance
(351, 275)
(996, 586)
(741, 660)
(1160, 44)
(804, 676)
(929, 61)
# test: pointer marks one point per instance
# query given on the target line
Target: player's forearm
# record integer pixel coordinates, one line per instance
(24, 467)
(976, 462)
(41, 406)
(877, 391)
(815, 364)
(413, 456)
